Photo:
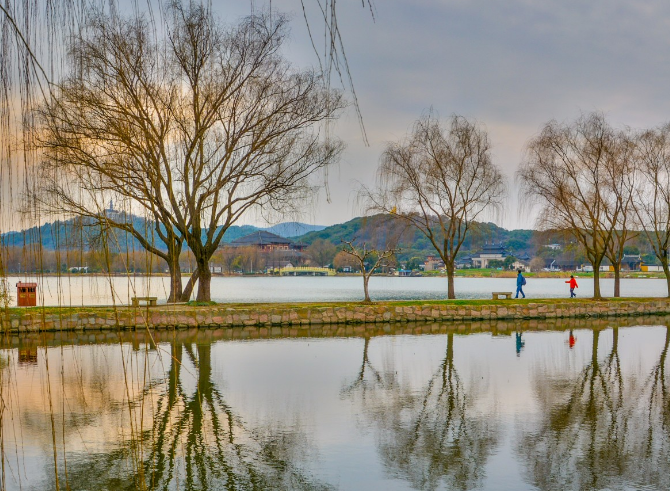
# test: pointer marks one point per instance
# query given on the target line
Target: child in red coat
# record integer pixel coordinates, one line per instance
(573, 285)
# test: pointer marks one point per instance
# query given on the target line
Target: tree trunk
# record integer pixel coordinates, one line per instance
(666, 271)
(451, 292)
(366, 279)
(190, 284)
(176, 289)
(204, 282)
(175, 368)
(596, 281)
(617, 280)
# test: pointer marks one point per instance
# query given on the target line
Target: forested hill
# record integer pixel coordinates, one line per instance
(75, 234)
(379, 230)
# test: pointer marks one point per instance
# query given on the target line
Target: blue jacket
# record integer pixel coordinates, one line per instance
(519, 280)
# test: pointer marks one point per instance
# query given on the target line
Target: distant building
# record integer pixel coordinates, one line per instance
(555, 247)
(433, 263)
(629, 262)
(279, 252)
(564, 264)
(651, 268)
(267, 241)
(488, 253)
(114, 215)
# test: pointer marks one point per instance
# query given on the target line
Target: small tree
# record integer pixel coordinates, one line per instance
(509, 261)
(536, 264)
(369, 260)
(343, 261)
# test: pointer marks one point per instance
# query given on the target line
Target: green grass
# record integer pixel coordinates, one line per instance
(280, 306)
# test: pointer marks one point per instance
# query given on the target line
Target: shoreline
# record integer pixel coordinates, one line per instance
(301, 316)
(139, 337)
(460, 273)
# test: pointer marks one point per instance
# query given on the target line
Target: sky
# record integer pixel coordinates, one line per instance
(512, 66)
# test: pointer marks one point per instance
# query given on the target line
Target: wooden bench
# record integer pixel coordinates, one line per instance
(497, 295)
(149, 301)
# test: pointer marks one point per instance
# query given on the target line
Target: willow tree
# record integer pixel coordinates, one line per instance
(569, 171)
(199, 126)
(440, 179)
(652, 194)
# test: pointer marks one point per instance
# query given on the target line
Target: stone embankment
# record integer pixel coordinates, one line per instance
(304, 316)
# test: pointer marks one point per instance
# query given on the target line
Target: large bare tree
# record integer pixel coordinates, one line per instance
(200, 126)
(440, 179)
(652, 193)
(568, 171)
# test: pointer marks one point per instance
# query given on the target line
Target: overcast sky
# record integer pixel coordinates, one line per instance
(511, 65)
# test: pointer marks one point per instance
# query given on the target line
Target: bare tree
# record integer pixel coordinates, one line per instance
(440, 179)
(369, 260)
(199, 127)
(652, 193)
(568, 170)
(619, 209)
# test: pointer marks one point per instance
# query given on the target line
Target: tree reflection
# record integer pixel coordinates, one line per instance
(197, 441)
(650, 431)
(430, 437)
(581, 441)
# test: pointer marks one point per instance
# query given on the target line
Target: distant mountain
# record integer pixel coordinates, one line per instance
(293, 229)
(73, 233)
(379, 229)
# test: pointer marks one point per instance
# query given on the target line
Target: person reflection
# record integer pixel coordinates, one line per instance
(430, 436)
(520, 343)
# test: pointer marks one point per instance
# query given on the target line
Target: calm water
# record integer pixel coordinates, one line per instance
(95, 290)
(196, 410)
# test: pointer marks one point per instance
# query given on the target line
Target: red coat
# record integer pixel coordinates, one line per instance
(573, 283)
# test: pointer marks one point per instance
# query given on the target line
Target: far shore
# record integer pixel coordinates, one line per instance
(461, 273)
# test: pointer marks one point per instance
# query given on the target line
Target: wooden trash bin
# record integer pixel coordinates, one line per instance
(26, 294)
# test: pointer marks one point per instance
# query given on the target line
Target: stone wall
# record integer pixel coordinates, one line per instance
(303, 316)
(191, 335)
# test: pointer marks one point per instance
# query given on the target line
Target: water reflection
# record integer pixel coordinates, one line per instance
(195, 440)
(430, 437)
(420, 406)
(600, 429)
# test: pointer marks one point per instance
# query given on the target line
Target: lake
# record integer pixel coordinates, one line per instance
(501, 411)
(100, 290)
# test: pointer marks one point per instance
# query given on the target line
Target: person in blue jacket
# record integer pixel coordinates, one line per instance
(520, 282)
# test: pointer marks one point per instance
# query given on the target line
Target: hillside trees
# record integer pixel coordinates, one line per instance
(198, 127)
(322, 252)
(440, 179)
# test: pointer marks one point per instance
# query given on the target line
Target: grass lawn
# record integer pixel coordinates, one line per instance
(280, 306)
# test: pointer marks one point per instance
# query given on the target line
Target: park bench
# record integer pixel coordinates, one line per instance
(148, 300)
(497, 295)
